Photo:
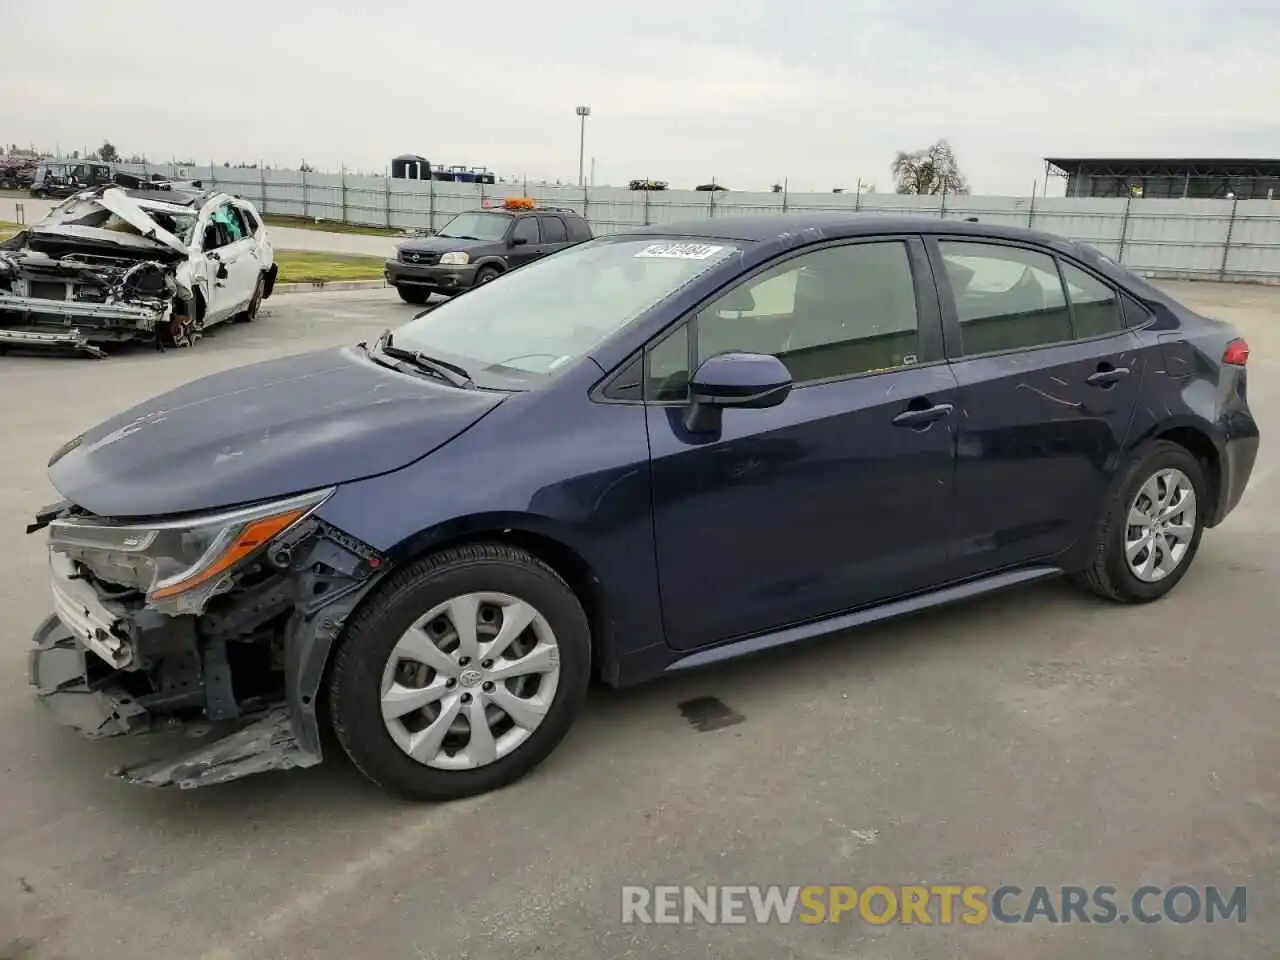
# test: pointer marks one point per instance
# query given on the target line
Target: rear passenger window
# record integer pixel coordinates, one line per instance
(832, 313)
(1093, 304)
(250, 221)
(1007, 298)
(553, 230)
(1135, 314)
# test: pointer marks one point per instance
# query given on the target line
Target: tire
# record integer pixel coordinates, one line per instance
(418, 295)
(1108, 572)
(399, 619)
(487, 275)
(250, 313)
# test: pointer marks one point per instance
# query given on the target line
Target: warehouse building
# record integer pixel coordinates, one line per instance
(1214, 179)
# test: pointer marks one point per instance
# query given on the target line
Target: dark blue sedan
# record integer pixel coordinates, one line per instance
(652, 451)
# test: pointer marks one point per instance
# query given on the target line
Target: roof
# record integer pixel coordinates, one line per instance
(1065, 163)
(832, 225)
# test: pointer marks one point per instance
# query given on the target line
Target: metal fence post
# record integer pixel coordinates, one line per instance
(1031, 214)
(711, 204)
(857, 198)
(386, 197)
(303, 171)
(1226, 246)
(785, 184)
(342, 172)
(431, 203)
(646, 208)
(262, 186)
(1124, 228)
(586, 203)
(942, 210)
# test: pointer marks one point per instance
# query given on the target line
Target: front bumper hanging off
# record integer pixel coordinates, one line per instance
(58, 672)
(108, 668)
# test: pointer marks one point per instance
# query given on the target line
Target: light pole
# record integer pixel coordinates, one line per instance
(583, 113)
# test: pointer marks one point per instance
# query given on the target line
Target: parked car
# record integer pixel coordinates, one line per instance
(16, 173)
(653, 451)
(63, 178)
(481, 245)
(162, 262)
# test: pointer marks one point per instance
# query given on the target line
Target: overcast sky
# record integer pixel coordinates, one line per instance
(749, 92)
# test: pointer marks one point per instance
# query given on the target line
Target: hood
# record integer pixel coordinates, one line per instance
(262, 431)
(80, 216)
(443, 244)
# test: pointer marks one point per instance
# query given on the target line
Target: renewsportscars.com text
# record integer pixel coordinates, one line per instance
(940, 904)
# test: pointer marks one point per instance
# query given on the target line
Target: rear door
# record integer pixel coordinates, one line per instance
(1049, 378)
(526, 230)
(555, 236)
(833, 499)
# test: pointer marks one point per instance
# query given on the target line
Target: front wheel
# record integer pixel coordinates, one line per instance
(461, 674)
(417, 295)
(487, 275)
(1150, 527)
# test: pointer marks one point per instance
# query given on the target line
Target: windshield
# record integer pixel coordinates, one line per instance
(522, 328)
(476, 226)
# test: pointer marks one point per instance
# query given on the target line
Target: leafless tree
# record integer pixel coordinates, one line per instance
(932, 170)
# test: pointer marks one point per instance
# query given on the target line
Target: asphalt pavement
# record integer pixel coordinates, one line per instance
(1039, 738)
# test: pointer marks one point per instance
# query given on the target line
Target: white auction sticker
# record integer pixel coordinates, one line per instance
(680, 251)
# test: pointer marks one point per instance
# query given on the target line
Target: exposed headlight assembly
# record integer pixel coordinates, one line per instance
(456, 259)
(179, 564)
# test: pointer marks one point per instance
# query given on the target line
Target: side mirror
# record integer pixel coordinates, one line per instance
(519, 241)
(749, 381)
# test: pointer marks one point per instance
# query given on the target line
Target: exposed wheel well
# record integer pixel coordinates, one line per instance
(271, 281)
(576, 573)
(1202, 448)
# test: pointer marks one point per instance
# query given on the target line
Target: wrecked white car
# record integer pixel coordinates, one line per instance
(111, 265)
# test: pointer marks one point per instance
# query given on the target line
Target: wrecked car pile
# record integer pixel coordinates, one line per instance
(156, 262)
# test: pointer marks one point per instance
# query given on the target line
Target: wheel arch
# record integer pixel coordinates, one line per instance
(1198, 439)
(546, 542)
(492, 260)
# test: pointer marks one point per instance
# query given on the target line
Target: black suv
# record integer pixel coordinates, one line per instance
(481, 245)
(62, 179)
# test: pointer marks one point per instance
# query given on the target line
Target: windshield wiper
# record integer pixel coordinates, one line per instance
(451, 373)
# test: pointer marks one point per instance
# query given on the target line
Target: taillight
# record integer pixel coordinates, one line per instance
(1237, 353)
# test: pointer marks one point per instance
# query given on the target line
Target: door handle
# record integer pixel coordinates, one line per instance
(922, 417)
(1107, 377)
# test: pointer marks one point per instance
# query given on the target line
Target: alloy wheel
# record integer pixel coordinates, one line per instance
(1160, 526)
(470, 681)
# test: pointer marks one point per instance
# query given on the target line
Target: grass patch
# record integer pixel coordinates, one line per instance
(313, 266)
(329, 226)
(7, 229)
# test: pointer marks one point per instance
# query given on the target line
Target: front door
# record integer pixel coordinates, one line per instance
(525, 241)
(833, 499)
(1049, 378)
(236, 269)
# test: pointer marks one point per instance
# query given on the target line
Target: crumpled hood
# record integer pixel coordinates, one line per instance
(262, 431)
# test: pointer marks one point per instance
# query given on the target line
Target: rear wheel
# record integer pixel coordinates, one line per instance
(413, 294)
(250, 313)
(461, 674)
(1151, 526)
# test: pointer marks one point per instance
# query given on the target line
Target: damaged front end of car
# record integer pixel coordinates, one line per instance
(98, 270)
(213, 624)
